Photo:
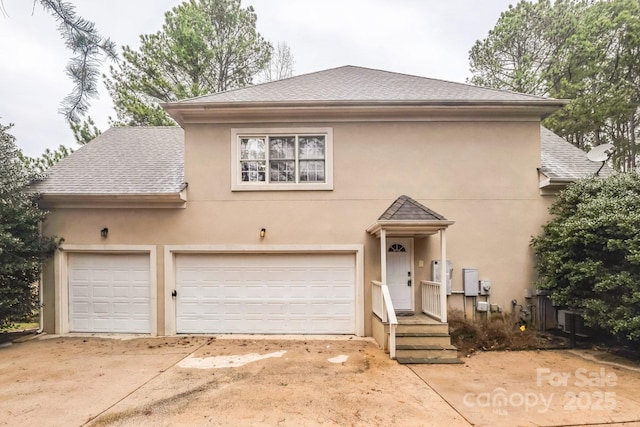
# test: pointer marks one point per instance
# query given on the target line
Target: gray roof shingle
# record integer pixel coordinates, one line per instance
(122, 160)
(150, 160)
(350, 83)
(407, 209)
(561, 160)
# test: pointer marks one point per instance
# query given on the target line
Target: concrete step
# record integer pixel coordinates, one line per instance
(419, 338)
(427, 360)
(426, 352)
(433, 328)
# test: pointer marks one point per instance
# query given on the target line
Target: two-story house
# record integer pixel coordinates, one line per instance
(303, 206)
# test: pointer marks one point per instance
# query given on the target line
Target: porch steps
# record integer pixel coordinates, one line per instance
(421, 339)
(425, 352)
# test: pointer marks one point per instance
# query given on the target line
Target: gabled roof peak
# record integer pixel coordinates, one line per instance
(407, 209)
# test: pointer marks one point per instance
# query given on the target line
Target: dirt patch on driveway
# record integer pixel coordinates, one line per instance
(260, 381)
(205, 381)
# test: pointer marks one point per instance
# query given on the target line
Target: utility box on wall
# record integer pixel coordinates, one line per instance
(482, 306)
(435, 273)
(485, 287)
(470, 282)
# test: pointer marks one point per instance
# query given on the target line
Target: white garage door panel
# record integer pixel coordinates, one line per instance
(265, 293)
(109, 293)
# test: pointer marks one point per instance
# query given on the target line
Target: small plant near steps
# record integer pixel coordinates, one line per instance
(499, 332)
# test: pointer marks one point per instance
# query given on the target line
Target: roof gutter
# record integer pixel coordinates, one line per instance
(549, 180)
(550, 186)
(115, 200)
(306, 103)
(229, 112)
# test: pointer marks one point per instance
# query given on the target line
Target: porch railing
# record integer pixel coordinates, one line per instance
(383, 308)
(432, 303)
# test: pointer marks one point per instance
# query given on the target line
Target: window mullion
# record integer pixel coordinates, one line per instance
(267, 158)
(297, 160)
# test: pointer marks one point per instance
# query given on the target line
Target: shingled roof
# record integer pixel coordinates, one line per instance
(407, 209)
(123, 161)
(406, 217)
(562, 161)
(350, 83)
(145, 161)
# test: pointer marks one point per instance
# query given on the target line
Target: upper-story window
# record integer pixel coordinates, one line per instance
(282, 159)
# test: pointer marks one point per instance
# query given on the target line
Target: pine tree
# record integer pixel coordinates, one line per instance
(22, 247)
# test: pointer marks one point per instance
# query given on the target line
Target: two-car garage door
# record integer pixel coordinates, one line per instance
(265, 293)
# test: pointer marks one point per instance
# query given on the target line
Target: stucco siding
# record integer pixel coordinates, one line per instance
(480, 174)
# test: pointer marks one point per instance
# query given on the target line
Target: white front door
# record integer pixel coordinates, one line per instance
(399, 275)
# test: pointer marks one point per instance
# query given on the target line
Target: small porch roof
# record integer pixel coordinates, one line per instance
(406, 217)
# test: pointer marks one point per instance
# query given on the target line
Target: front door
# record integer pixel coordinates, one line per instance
(399, 275)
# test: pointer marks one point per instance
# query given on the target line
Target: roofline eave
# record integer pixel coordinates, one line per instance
(554, 102)
(166, 199)
(550, 180)
(408, 227)
(203, 112)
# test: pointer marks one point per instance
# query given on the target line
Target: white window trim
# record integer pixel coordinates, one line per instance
(236, 181)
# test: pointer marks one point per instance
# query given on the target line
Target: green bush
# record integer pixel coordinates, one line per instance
(588, 255)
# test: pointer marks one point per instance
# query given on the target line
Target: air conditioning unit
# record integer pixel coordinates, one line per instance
(564, 322)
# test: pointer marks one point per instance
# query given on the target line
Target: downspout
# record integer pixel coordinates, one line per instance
(41, 304)
(41, 293)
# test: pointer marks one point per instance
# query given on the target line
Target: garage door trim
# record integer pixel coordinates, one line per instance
(61, 260)
(171, 251)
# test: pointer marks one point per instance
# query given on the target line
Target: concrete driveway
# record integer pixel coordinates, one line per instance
(74, 381)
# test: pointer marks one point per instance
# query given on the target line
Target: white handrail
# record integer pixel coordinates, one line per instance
(383, 308)
(431, 299)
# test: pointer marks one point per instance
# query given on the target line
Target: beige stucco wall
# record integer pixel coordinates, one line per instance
(480, 174)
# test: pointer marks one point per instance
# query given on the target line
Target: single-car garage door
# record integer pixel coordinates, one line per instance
(109, 293)
(265, 293)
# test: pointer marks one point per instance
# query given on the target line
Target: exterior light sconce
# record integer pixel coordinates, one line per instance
(263, 231)
(104, 232)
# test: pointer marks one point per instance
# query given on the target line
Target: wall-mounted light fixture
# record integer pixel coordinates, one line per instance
(104, 232)
(263, 231)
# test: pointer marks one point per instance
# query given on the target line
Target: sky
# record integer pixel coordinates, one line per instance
(429, 38)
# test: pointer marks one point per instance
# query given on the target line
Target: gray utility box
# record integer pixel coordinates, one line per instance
(470, 282)
(435, 273)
